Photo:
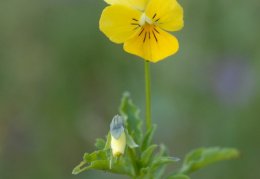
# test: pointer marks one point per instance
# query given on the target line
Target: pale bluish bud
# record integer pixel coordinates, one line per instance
(118, 137)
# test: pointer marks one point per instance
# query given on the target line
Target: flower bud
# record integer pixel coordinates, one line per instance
(118, 145)
(118, 137)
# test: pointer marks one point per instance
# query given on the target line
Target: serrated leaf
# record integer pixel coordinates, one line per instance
(131, 113)
(147, 155)
(148, 137)
(100, 143)
(178, 176)
(203, 157)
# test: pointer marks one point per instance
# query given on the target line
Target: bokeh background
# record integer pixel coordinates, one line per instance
(61, 81)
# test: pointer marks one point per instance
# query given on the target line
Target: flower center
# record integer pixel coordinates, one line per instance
(147, 27)
(145, 19)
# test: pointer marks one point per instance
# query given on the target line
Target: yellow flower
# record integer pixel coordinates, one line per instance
(142, 26)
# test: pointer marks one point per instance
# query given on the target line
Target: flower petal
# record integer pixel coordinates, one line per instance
(136, 4)
(119, 23)
(152, 44)
(167, 14)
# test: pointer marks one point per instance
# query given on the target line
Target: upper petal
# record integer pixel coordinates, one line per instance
(167, 14)
(152, 44)
(119, 23)
(136, 4)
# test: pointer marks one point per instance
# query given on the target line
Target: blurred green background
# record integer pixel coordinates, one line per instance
(61, 82)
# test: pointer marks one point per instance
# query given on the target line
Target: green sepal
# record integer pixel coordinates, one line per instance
(130, 141)
(108, 142)
(203, 157)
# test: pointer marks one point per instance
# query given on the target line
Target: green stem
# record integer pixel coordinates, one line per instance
(148, 94)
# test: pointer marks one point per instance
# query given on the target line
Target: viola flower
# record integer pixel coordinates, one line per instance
(142, 26)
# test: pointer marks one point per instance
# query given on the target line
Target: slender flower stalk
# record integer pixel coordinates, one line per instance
(148, 94)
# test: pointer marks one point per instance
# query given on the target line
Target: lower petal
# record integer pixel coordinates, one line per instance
(119, 22)
(152, 44)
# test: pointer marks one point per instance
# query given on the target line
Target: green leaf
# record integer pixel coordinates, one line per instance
(146, 174)
(100, 143)
(147, 155)
(161, 161)
(96, 155)
(178, 176)
(130, 141)
(102, 165)
(160, 170)
(79, 168)
(99, 160)
(148, 138)
(131, 113)
(89, 158)
(202, 157)
(156, 169)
